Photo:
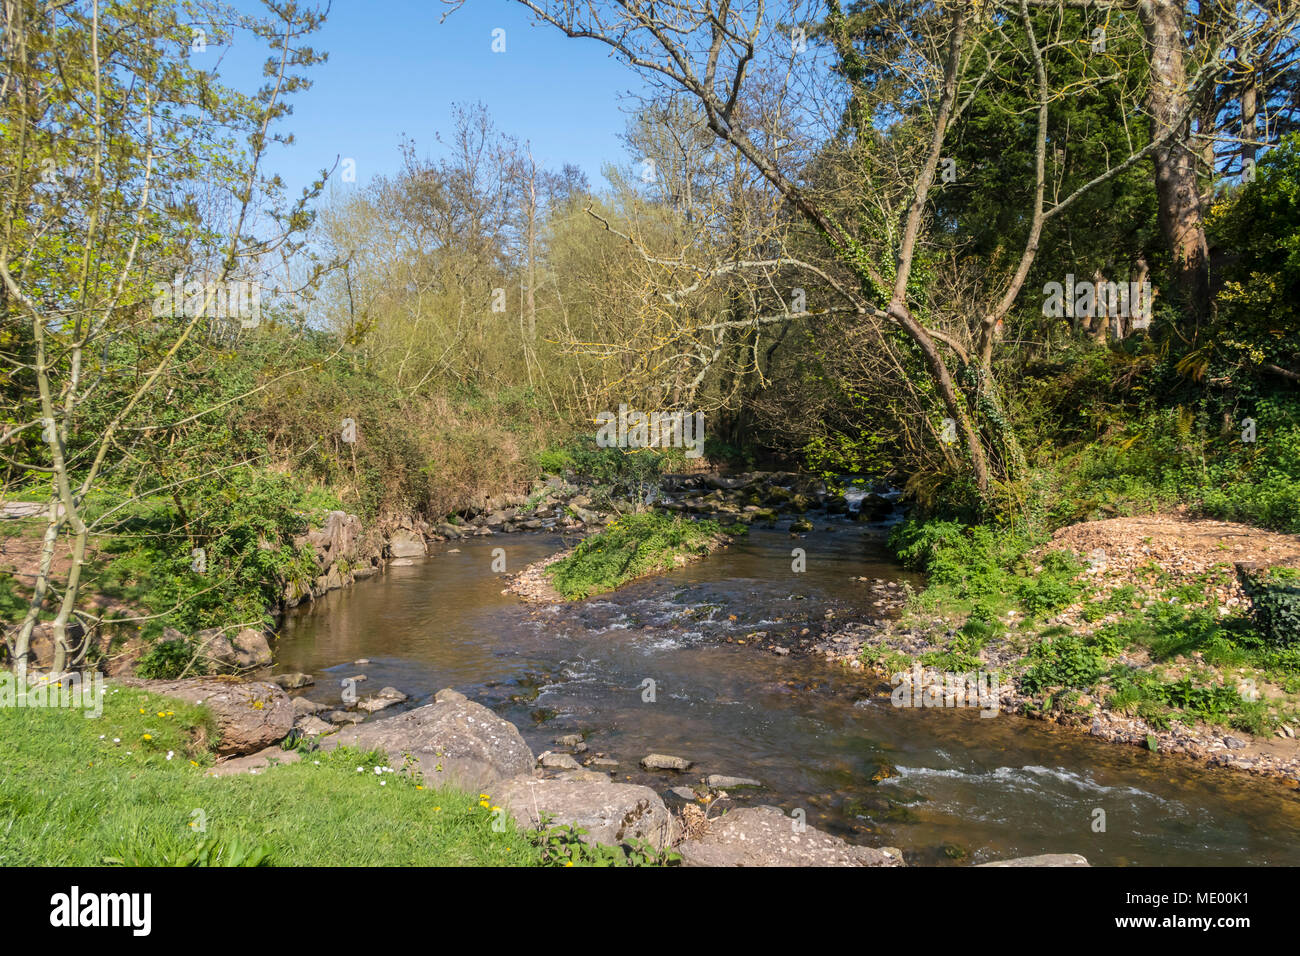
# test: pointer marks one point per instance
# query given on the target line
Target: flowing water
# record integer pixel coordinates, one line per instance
(944, 785)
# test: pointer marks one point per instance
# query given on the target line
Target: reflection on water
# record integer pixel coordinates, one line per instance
(946, 786)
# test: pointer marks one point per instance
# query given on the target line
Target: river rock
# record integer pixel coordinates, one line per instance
(387, 697)
(1044, 859)
(293, 681)
(611, 813)
(455, 742)
(302, 707)
(246, 650)
(720, 781)
(345, 717)
(558, 762)
(313, 726)
(765, 836)
(665, 762)
(586, 776)
(250, 716)
(407, 544)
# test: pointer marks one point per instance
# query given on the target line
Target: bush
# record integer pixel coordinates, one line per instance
(167, 660)
(1275, 603)
(1067, 661)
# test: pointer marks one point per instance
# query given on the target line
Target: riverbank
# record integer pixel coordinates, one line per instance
(141, 784)
(133, 788)
(1135, 631)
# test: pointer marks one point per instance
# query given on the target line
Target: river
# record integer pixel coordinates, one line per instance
(945, 786)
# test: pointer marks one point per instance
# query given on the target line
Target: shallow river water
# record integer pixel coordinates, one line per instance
(946, 786)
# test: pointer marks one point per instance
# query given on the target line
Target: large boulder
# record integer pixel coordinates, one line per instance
(250, 715)
(455, 741)
(407, 544)
(765, 836)
(611, 813)
(247, 650)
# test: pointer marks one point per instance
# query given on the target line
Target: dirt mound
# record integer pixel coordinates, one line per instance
(1181, 547)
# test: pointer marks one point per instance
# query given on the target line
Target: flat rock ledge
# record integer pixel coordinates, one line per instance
(250, 715)
(765, 836)
(454, 741)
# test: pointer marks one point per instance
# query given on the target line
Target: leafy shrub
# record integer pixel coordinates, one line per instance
(1275, 603)
(1054, 586)
(167, 660)
(1067, 661)
(554, 461)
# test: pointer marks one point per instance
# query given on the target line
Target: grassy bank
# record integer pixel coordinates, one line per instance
(1081, 632)
(129, 787)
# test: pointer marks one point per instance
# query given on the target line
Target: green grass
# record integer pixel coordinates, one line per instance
(632, 546)
(78, 791)
(1199, 657)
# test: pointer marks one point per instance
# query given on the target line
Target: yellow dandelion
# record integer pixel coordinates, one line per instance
(147, 736)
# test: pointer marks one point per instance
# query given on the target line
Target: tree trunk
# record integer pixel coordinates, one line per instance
(1175, 163)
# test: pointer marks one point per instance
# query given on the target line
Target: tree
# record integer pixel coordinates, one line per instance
(901, 116)
(122, 155)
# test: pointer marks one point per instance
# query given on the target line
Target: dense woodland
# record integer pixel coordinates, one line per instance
(835, 231)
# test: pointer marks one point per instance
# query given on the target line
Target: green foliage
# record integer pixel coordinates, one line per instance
(228, 563)
(555, 461)
(1054, 586)
(209, 851)
(632, 546)
(562, 845)
(1275, 603)
(1160, 701)
(1257, 322)
(618, 472)
(1066, 661)
(988, 566)
(168, 659)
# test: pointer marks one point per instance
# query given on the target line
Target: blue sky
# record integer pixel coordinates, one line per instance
(394, 69)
